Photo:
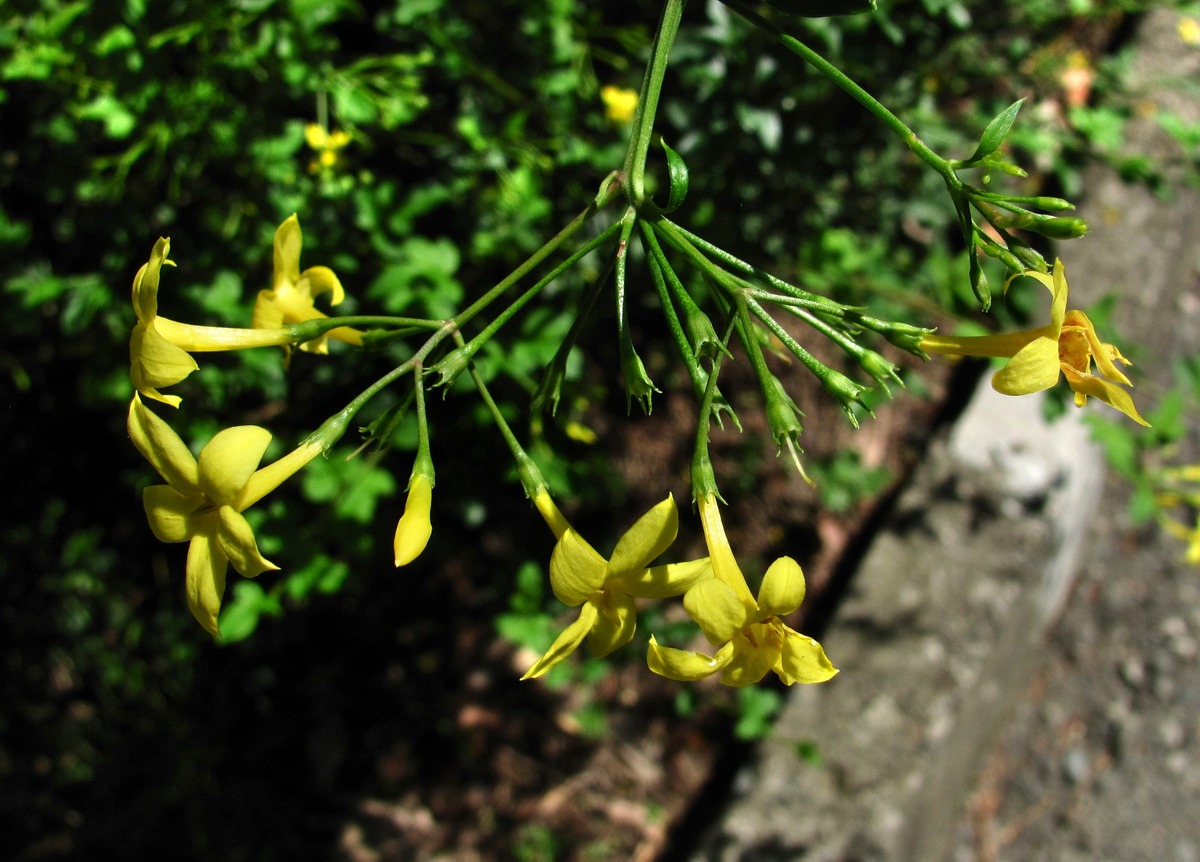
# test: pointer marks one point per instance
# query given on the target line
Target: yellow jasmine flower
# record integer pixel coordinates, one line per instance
(159, 348)
(326, 144)
(415, 528)
(1038, 357)
(1189, 30)
(749, 633)
(619, 103)
(292, 296)
(606, 589)
(203, 500)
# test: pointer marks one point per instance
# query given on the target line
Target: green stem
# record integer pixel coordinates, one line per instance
(652, 83)
(704, 480)
(609, 191)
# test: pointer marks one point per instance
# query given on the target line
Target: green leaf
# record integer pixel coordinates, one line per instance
(996, 132)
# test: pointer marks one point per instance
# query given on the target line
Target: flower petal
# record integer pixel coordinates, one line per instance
(752, 659)
(803, 660)
(1108, 392)
(566, 643)
(236, 539)
(685, 665)
(170, 513)
(321, 279)
(154, 361)
(652, 534)
(206, 566)
(161, 446)
(145, 283)
(270, 477)
(724, 564)
(715, 609)
(782, 588)
(1034, 368)
(415, 528)
(576, 570)
(660, 582)
(288, 241)
(229, 460)
(267, 312)
(615, 625)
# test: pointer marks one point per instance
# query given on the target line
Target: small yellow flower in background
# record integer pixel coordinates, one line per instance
(750, 637)
(606, 589)
(1189, 30)
(159, 348)
(415, 528)
(292, 296)
(203, 500)
(1038, 357)
(619, 103)
(327, 144)
(1190, 535)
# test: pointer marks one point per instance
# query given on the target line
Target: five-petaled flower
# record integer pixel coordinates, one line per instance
(750, 636)
(607, 589)
(160, 349)
(203, 500)
(1038, 357)
(293, 293)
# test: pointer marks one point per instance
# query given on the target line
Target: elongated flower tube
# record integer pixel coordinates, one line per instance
(1038, 357)
(160, 349)
(606, 589)
(203, 500)
(292, 296)
(750, 636)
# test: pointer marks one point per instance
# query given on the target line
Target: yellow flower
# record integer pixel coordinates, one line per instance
(291, 298)
(1191, 535)
(203, 500)
(414, 529)
(1189, 30)
(159, 348)
(1064, 347)
(750, 636)
(606, 589)
(326, 144)
(619, 103)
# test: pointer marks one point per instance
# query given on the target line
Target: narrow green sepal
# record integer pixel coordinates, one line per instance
(453, 364)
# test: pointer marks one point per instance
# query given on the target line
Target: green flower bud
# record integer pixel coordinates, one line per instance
(1060, 227)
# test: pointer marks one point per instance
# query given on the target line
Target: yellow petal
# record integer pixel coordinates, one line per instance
(414, 528)
(229, 460)
(205, 584)
(803, 660)
(321, 279)
(170, 512)
(288, 240)
(782, 588)
(162, 447)
(685, 665)
(154, 361)
(576, 570)
(267, 313)
(236, 539)
(652, 534)
(660, 582)
(1110, 393)
(615, 625)
(145, 283)
(1058, 295)
(752, 659)
(1034, 368)
(566, 643)
(1104, 354)
(715, 609)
